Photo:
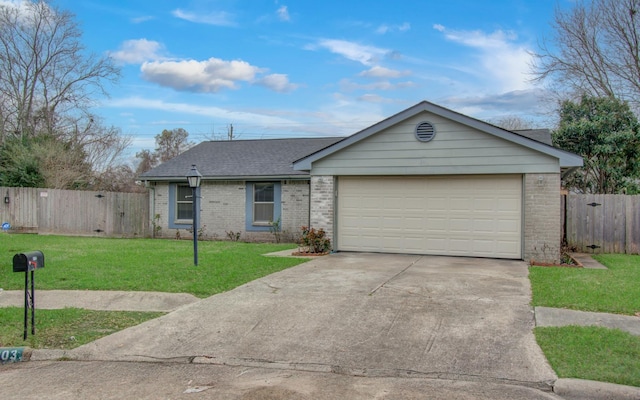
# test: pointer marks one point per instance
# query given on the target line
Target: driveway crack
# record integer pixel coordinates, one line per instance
(380, 286)
(320, 367)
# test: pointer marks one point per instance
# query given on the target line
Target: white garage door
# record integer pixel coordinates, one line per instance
(478, 216)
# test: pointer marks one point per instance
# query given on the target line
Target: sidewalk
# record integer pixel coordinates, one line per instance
(100, 300)
(547, 316)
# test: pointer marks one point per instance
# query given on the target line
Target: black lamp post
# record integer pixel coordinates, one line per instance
(194, 177)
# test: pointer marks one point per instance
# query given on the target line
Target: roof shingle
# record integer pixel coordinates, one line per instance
(241, 158)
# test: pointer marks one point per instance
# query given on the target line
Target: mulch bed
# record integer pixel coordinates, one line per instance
(572, 264)
(306, 254)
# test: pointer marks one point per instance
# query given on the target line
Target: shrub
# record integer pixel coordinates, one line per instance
(276, 230)
(315, 240)
(233, 236)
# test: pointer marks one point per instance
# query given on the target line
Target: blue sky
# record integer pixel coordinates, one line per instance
(276, 68)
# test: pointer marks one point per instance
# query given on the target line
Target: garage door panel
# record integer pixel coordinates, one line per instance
(506, 205)
(459, 225)
(512, 227)
(436, 225)
(461, 215)
(484, 226)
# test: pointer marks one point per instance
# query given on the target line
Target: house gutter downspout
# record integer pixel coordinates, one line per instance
(147, 184)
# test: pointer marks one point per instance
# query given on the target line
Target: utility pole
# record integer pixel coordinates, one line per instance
(230, 131)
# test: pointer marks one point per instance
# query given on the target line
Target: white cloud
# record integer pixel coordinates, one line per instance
(277, 82)
(385, 73)
(283, 13)
(500, 57)
(144, 18)
(23, 7)
(138, 51)
(348, 86)
(210, 112)
(20, 4)
(517, 101)
(366, 55)
(207, 76)
(220, 18)
(377, 99)
(384, 28)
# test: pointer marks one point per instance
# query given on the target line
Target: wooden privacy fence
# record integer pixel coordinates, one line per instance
(72, 212)
(603, 223)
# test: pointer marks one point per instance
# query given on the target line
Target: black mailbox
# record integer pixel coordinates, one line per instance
(24, 262)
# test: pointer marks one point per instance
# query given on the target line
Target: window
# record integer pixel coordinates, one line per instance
(263, 203)
(184, 203)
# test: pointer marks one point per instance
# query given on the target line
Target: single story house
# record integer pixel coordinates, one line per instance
(427, 180)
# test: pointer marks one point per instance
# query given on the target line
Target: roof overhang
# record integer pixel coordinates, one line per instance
(298, 177)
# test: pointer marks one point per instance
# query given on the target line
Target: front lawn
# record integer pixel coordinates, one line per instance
(616, 290)
(595, 353)
(67, 328)
(83, 263)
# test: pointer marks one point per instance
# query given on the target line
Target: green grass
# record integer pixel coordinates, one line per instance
(594, 353)
(67, 328)
(615, 290)
(83, 263)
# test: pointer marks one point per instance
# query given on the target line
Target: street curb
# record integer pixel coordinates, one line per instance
(567, 388)
(15, 354)
(51, 355)
(580, 389)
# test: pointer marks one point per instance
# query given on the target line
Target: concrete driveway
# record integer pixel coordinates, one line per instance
(369, 315)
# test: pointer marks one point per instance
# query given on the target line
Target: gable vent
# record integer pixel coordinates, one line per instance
(425, 131)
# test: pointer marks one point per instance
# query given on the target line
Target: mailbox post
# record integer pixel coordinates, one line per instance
(28, 263)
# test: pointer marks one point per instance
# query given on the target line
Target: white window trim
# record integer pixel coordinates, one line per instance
(177, 202)
(273, 203)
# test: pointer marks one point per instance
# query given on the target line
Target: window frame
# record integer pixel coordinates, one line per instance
(172, 200)
(260, 226)
(178, 201)
(256, 203)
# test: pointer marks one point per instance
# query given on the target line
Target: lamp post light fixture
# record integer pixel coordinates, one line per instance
(194, 177)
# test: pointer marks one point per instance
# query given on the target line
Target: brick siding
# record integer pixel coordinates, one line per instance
(223, 209)
(542, 225)
(322, 204)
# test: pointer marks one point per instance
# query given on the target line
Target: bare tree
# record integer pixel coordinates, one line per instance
(102, 146)
(44, 70)
(120, 178)
(595, 50)
(60, 166)
(169, 144)
(47, 85)
(148, 160)
(172, 142)
(512, 123)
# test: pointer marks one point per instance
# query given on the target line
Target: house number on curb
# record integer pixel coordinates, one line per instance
(10, 355)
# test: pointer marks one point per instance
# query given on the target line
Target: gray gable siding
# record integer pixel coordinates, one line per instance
(565, 159)
(456, 149)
